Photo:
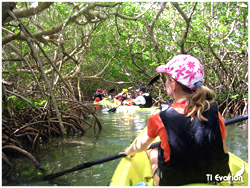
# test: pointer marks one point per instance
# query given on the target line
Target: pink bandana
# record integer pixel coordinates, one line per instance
(185, 69)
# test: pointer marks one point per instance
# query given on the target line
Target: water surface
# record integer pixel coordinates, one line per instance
(119, 130)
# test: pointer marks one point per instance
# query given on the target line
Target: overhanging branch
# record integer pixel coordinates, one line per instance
(30, 11)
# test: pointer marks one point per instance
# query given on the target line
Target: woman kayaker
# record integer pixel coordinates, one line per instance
(191, 130)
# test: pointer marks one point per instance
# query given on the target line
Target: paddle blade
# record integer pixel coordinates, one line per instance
(112, 90)
(112, 109)
(153, 80)
(105, 110)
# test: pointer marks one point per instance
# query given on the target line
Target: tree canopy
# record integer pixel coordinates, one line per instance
(82, 45)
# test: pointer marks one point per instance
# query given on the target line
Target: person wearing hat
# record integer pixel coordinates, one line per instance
(144, 100)
(98, 95)
(104, 92)
(122, 96)
(191, 130)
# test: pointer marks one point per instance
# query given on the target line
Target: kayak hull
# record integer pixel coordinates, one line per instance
(131, 171)
(127, 109)
(98, 103)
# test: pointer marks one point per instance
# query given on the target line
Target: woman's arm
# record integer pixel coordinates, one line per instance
(141, 144)
(223, 132)
(225, 146)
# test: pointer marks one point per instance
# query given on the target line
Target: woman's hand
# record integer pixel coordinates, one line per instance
(126, 152)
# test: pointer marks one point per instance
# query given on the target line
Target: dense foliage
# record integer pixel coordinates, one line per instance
(116, 45)
(59, 51)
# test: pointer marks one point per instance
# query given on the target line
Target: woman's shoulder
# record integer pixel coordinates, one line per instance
(155, 115)
(178, 107)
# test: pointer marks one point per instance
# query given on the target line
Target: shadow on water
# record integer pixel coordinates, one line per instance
(119, 130)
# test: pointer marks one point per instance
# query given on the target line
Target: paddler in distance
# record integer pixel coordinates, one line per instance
(144, 100)
(121, 96)
(98, 96)
(104, 92)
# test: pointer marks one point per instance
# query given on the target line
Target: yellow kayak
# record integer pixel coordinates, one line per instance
(137, 171)
(126, 109)
(98, 103)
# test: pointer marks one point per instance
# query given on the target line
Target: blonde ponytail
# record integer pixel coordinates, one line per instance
(198, 102)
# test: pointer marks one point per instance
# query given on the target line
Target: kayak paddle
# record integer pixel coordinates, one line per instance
(117, 156)
(235, 120)
(84, 165)
(153, 80)
(114, 109)
(150, 83)
(110, 91)
(87, 165)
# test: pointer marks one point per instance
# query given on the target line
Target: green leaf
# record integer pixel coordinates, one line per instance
(234, 96)
(12, 97)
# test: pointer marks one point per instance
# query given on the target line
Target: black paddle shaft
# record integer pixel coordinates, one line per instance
(235, 120)
(110, 91)
(84, 165)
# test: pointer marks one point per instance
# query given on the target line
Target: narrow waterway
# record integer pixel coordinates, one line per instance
(119, 129)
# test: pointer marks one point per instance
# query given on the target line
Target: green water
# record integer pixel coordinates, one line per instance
(118, 131)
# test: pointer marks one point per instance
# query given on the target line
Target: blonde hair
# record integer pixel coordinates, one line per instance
(198, 102)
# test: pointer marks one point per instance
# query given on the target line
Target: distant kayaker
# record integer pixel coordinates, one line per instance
(127, 102)
(104, 92)
(98, 95)
(122, 96)
(144, 100)
(191, 130)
